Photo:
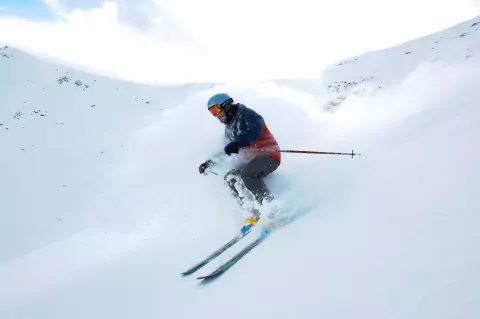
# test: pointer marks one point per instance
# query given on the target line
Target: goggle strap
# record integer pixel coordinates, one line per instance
(230, 100)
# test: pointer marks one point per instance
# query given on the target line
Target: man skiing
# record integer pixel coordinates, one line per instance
(245, 129)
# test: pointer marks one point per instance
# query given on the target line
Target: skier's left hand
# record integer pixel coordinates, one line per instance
(232, 147)
(203, 167)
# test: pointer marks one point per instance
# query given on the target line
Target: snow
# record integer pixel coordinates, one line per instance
(102, 205)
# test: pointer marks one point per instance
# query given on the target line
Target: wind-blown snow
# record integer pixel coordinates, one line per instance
(102, 205)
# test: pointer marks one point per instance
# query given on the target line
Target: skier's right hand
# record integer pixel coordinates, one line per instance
(204, 166)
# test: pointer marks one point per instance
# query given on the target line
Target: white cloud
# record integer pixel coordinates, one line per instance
(139, 13)
(55, 6)
(186, 40)
(63, 6)
(95, 38)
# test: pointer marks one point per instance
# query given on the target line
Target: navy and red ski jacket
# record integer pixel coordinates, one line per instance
(248, 129)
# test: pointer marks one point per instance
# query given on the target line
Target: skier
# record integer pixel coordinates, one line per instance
(245, 129)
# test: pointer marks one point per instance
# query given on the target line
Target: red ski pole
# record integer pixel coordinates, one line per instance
(305, 152)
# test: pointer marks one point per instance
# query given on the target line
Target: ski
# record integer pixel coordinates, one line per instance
(216, 253)
(232, 261)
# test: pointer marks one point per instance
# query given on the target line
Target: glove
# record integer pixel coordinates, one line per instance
(204, 166)
(232, 147)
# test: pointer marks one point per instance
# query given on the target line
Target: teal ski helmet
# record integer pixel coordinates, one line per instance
(221, 99)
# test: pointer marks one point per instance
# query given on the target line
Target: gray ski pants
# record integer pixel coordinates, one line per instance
(251, 174)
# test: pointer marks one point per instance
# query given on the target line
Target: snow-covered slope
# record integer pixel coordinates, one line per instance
(102, 205)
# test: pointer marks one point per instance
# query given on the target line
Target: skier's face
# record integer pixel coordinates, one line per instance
(222, 116)
(219, 113)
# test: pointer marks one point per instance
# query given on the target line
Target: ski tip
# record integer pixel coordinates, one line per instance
(188, 272)
(205, 278)
(209, 277)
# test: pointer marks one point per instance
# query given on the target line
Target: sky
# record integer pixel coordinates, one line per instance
(31, 9)
(213, 40)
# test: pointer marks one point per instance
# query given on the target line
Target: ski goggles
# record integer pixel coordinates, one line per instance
(215, 110)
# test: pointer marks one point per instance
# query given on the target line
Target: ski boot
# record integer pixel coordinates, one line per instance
(268, 227)
(249, 223)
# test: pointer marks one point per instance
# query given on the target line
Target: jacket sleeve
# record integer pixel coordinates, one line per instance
(250, 128)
